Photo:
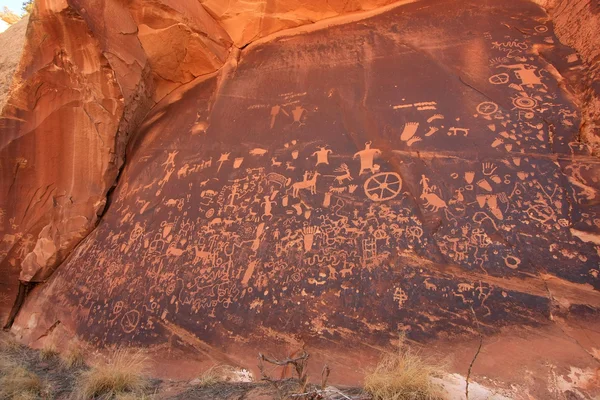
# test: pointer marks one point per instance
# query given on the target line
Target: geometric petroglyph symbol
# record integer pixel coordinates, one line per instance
(130, 321)
(524, 102)
(512, 262)
(383, 186)
(487, 108)
(499, 79)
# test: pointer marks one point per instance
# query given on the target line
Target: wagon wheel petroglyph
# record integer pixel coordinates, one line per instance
(383, 186)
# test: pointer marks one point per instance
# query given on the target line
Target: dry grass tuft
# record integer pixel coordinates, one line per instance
(73, 356)
(49, 351)
(134, 396)
(16, 382)
(404, 375)
(8, 343)
(122, 374)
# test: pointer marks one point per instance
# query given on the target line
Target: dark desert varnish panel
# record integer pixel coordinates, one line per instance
(402, 173)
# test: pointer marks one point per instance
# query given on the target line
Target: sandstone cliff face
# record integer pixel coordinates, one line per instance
(90, 72)
(246, 21)
(58, 134)
(11, 42)
(577, 24)
(429, 170)
(440, 189)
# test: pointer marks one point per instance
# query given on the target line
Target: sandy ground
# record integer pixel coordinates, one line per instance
(11, 43)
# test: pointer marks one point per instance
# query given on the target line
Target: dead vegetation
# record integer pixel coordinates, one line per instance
(19, 383)
(121, 375)
(48, 374)
(16, 380)
(298, 386)
(49, 351)
(404, 375)
(73, 356)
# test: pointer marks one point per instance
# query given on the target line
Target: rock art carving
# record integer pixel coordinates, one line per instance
(282, 208)
(366, 159)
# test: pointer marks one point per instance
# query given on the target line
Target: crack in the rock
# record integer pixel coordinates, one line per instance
(552, 318)
(468, 377)
(49, 330)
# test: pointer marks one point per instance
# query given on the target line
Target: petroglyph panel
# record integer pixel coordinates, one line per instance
(355, 177)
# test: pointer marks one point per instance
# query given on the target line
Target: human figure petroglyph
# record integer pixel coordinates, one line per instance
(170, 163)
(322, 155)
(366, 159)
(268, 207)
(297, 114)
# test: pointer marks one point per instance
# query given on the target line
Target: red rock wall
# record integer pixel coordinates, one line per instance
(577, 24)
(246, 21)
(90, 72)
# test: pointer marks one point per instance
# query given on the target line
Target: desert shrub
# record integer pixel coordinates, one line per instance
(16, 382)
(73, 356)
(403, 375)
(49, 351)
(122, 374)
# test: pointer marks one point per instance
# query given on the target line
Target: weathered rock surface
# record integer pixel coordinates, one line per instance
(247, 21)
(89, 74)
(420, 171)
(11, 42)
